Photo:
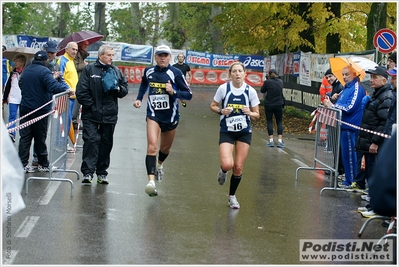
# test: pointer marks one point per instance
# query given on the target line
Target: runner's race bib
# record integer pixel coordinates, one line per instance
(159, 102)
(236, 123)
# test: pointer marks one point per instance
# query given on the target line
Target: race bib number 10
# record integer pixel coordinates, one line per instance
(236, 123)
(159, 102)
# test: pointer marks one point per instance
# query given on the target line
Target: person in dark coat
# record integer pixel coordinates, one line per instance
(37, 88)
(99, 115)
(373, 121)
(272, 89)
(383, 182)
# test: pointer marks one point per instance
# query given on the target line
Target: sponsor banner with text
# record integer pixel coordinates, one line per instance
(200, 76)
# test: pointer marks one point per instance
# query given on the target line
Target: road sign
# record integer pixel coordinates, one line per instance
(385, 40)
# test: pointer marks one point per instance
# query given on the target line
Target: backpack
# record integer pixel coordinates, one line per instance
(109, 80)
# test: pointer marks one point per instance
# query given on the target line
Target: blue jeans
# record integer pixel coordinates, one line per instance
(12, 116)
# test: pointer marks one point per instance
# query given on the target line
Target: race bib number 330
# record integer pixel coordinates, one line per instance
(159, 102)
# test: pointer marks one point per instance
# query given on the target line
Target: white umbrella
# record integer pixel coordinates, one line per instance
(26, 51)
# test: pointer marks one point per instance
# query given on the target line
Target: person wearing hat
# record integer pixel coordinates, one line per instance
(336, 86)
(373, 123)
(272, 90)
(165, 85)
(51, 48)
(37, 89)
(391, 61)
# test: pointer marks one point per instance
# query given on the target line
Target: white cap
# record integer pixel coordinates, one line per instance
(162, 49)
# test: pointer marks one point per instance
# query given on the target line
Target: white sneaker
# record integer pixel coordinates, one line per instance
(70, 149)
(158, 174)
(151, 190)
(233, 203)
(369, 214)
(222, 177)
(29, 169)
(365, 197)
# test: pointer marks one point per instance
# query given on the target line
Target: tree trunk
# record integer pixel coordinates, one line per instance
(303, 9)
(137, 29)
(64, 12)
(99, 19)
(216, 32)
(333, 42)
(376, 20)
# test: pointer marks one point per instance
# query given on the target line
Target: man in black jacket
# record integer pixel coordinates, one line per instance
(99, 115)
(374, 119)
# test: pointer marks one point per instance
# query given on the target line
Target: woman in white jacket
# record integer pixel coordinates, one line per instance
(12, 92)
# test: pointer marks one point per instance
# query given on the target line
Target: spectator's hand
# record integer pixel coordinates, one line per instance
(56, 74)
(335, 97)
(327, 102)
(373, 149)
(137, 104)
(70, 91)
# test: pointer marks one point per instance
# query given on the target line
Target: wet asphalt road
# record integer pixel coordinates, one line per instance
(190, 221)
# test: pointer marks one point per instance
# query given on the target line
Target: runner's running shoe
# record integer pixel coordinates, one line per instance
(222, 177)
(233, 203)
(151, 190)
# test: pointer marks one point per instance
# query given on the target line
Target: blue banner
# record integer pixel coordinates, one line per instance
(253, 62)
(198, 58)
(210, 60)
(137, 53)
(31, 41)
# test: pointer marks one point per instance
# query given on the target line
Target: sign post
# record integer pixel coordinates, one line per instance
(385, 40)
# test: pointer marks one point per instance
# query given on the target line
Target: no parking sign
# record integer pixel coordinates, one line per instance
(385, 40)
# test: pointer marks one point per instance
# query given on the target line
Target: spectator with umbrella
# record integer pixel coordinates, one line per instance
(69, 76)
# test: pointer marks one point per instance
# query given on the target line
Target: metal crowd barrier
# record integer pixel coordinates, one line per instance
(327, 145)
(58, 139)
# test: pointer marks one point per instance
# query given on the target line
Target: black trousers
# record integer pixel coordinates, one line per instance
(36, 132)
(97, 146)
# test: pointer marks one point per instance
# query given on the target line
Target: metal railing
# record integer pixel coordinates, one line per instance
(58, 134)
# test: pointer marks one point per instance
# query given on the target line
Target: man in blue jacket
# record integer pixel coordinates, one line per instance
(37, 88)
(350, 103)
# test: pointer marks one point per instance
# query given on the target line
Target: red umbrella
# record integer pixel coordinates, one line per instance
(78, 37)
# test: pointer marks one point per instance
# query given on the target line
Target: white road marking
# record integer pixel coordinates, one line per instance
(49, 192)
(300, 163)
(26, 227)
(9, 259)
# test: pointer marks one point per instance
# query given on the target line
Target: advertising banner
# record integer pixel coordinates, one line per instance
(136, 53)
(295, 63)
(319, 64)
(304, 69)
(253, 62)
(210, 60)
(200, 76)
